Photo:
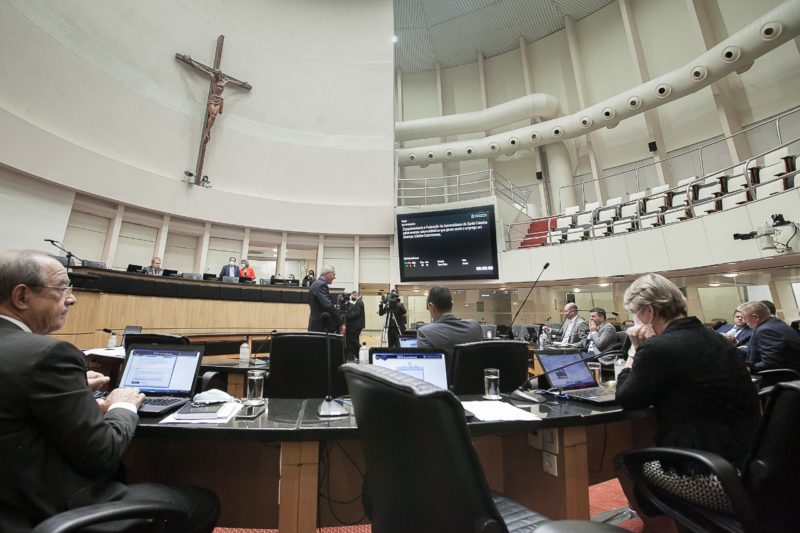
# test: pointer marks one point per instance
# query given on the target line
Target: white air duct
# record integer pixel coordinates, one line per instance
(734, 54)
(526, 107)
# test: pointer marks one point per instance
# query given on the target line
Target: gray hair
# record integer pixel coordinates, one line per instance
(326, 270)
(21, 268)
(656, 290)
(755, 308)
(572, 306)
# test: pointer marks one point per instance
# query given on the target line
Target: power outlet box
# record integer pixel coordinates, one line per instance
(535, 439)
(550, 440)
(550, 463)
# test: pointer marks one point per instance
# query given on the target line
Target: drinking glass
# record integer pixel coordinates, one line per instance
(596, 370)
(255, 387)
(491, 383)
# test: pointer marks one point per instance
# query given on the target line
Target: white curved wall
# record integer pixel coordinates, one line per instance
(96, 88)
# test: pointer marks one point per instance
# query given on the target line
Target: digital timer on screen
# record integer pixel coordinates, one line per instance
(459, 244)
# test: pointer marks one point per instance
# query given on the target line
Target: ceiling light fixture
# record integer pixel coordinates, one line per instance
(394, 38)
(714, 284)
(731, 275)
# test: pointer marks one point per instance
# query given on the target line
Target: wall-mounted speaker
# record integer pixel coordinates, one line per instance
(539, 175)
(652, 146)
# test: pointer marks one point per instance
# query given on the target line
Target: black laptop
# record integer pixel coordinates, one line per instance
(569, 373)
(165, 373)
(134, 268)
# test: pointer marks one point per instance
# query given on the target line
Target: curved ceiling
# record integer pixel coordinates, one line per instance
(452, 32)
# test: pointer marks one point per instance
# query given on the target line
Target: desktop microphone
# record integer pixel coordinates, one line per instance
(528, 295)
(528, 396)
(328, 407)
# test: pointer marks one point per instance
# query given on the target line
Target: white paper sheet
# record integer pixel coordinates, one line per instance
(119, 351)
(497, 411)
(224, 415)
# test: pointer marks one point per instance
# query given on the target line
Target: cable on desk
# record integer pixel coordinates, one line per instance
(602, 451)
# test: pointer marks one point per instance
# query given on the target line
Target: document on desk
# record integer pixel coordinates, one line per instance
(224, 415)
(492, 411)
(119, 352)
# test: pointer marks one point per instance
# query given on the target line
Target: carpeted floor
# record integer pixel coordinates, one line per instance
(602, 497)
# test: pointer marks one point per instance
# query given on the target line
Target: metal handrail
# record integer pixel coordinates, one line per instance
(699, 150)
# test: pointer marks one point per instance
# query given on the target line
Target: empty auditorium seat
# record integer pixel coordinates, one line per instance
(567, 220)
(657, 201)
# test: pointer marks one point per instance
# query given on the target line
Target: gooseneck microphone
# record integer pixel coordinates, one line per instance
(528, 295)
(328, 407)
(522, 394)
(51, 241)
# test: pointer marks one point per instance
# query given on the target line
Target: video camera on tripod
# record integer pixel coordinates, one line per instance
(341, 303)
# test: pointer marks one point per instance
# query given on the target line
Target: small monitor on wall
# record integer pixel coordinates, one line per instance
(458, 244)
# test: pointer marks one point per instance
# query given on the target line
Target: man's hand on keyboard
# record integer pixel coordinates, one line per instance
(96, 379)
(131, 396)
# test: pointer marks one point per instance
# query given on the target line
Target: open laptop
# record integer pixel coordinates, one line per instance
(408, 341)
(568, 373)
(165, 373)
(427, 365)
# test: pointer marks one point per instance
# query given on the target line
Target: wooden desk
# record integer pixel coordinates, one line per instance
(267, 471)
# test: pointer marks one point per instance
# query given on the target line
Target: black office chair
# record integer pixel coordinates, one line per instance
(227, 347)
(422, 473)
(469, 360)
(153, 338)
(298, 365)
(705, 493)
(776, 375)
(146, 516)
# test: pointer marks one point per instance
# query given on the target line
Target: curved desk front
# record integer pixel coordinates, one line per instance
(283, 468)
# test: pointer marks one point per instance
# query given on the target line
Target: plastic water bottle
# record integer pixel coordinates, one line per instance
(619, 364)
(244, 353)
(112, 341)
(363, 354)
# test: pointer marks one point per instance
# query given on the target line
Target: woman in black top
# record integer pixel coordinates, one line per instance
(695, 380)
(310, 279)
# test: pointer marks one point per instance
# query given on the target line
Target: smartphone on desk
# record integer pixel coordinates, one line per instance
(249, 412)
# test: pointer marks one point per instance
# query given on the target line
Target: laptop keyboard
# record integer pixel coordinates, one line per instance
(161, 401)
(592, 393)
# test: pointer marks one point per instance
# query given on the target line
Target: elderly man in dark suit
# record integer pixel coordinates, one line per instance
(447, 329)
(321, 304)
(773, 343)
(60, 447)
(573, 330)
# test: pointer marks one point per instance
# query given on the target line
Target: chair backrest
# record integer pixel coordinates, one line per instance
(422, 473)
(469, 360)
(773, 466)
(153, 338)
(298, 365)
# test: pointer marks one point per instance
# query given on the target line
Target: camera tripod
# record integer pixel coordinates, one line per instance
(386, 324)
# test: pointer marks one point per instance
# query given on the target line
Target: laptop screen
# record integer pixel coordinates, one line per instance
(162, 369)
(427, 366)
(408, 342)
(566, 371)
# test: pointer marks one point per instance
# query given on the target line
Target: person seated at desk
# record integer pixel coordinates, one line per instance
(446, 329)
(773, 343)
(573, 331)
(696, 381)
(155, 267)
(602, 336)
(309, 279)
(739, 332)
(230, 270)
(61, 448)
(245, 271)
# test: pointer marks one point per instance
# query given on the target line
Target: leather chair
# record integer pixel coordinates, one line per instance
(716, 497)
(298, 365)
(146, 516)
(422, 473)
(469, 360)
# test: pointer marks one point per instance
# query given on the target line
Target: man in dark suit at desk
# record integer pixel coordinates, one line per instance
(573, 330)
(60, 447)
(447, 329)
(773, 343)
(602, 336)
(230, 270)
(155, 267)
(739, 332)
(321, 303)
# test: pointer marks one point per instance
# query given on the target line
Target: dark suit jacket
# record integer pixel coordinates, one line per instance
(229, 270)
(57, 448)
(774, 345)
(320, 302)
(445, 333)
(355, 315)
(742, 338)
(152, 272)
(578, 334)
(699, 387)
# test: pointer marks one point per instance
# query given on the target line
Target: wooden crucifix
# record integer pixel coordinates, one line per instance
(215, 101)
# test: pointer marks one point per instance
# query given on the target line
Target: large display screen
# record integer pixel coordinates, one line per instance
(448, 245)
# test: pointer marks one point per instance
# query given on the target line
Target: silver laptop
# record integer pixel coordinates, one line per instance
(166, 374)
(426, 365)
(568, 373)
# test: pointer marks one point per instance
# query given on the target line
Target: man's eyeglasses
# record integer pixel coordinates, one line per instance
(65, 291)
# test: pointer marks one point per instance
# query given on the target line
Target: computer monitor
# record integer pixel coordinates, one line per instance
(192, 275)
(209, 277)
(408, 341)
(230, 279)
(134, 268)
(168, 272)
(427, 365)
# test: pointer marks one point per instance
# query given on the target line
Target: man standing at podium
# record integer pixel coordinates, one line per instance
(321, 303)
(60, 447)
